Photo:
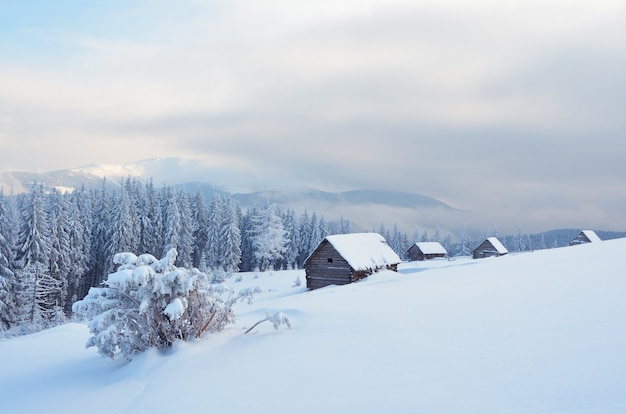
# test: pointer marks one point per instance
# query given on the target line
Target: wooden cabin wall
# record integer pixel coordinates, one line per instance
(485, 249)
(580, 239)
(320, 272)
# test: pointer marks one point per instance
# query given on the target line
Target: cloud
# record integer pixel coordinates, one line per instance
(491, 106)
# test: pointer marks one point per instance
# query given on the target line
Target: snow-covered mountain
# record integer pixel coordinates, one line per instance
(539, 332)
(367, 208)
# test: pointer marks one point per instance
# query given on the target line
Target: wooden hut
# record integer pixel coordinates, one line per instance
(488, 248)
(426, 251)
(346, 258)
(585, 236)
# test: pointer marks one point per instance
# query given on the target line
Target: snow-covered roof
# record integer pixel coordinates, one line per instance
(364, 251)
(497, 245)
(431, 248)
(591, 236)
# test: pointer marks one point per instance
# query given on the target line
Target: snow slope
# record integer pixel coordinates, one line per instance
(540, 332)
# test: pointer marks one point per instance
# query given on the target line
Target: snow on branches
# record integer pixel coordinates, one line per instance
(152, 303)
(277, 319)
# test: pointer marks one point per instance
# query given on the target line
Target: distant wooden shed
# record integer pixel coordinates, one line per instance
(346, 258)
(585, 236)
(426, 251)
(488, 248)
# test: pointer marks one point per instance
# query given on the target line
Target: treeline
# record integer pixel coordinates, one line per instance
(55, 246)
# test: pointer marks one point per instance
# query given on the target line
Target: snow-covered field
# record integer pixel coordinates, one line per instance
(541, 332)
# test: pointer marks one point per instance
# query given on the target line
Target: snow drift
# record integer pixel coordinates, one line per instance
(538, 332)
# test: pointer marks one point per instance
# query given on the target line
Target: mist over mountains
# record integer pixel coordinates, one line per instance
(367, 209)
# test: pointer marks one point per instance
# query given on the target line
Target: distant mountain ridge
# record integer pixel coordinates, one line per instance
(367, 208)
(388, 198)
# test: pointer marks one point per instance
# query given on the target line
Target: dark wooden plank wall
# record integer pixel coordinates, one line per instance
(485, 249)
(320, 272)
(415, 253)
(580, 239)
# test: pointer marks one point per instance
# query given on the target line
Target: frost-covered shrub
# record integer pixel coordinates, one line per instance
(277, 319)
(297, 282)
(152, 303)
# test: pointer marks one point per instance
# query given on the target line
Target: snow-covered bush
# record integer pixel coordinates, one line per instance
(152, 303)
(297, 282)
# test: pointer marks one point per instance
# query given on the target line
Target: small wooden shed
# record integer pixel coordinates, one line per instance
(585, 236)
(346, 258)
(426, 251)
(488, 248)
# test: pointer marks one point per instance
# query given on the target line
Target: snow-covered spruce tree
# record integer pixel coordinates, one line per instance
(124, 233)
(149, 215)
(344, 226)
(519, 244)
(214, 246)
(185, 235)
(269, 238)
(304, 238)
(34, 286)
(7, 277)
(152, 303)
(247, 251)
(464, 248)
(80, 234)
(60, 267)
(293, 241)
(100, 236)
(230, 237)
(200, 230)
(315, 235)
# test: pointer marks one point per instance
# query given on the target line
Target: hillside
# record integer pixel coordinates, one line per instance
(537, 332)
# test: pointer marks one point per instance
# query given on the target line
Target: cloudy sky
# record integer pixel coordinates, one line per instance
(514, 108)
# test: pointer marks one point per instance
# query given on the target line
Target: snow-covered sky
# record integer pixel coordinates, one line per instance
(491, 105)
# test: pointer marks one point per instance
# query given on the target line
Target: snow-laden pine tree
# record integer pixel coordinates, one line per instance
(322, 230)
(395, 241)
(447, 243)
(152, 303)
(171, 221)
(214, 252)
(315, 236)
(101, 235)
(269, 237)
(200, 231)
(80, 238)
(247, 250)
(230, 237)
(437, 236)
(415, 237)
(519, 241)
(32, 263)
(305, 238)
(528, 243)
(145, 218)
(60, 266)
(405, 244)
(185, 236)
(7, 277)
(293, 242)
(464, 248)
(344, 226)
(124, 235)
